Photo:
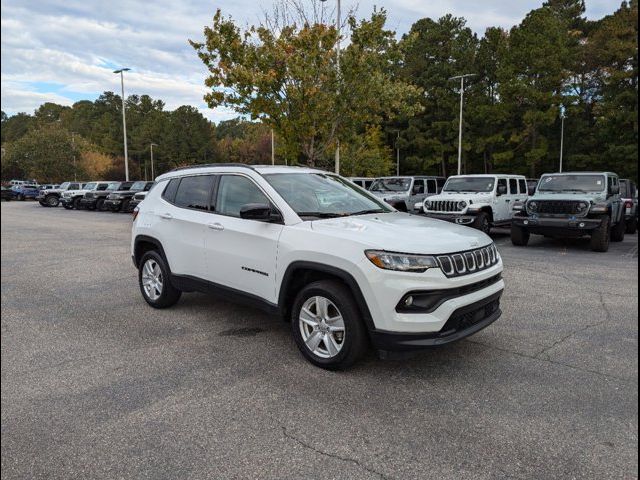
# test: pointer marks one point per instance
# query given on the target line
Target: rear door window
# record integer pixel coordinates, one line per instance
(513, 186)
(194, 192)
(523, 186)
(170, 190)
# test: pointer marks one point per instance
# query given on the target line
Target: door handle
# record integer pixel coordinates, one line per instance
(216, 226)
(507, 200)
(166, 216)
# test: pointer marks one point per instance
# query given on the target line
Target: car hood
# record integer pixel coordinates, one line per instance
(402, 232)
(468, 197)
(595, 197)
(390, 194)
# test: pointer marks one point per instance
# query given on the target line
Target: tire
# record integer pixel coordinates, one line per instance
(21, 198)
(42, 203)
(618, 230)
(52, 201)
(601, 236)
(343, 349)
(519, 236)
(632, 226)
(124, 207)
(161, 293)
(99, 205)
(67, 206)
(76, 203)
(482, 223)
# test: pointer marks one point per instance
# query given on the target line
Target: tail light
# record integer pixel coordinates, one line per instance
(628, 204)
(135, 213)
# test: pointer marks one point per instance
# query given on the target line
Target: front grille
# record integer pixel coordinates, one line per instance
(139, 196)
(444, 206)
(467, 319)
(88, 195)
(465, 263)
(558, 207)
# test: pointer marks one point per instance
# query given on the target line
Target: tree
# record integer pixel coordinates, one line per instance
(284, 73)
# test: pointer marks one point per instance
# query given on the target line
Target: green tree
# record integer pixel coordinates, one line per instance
(285, 74)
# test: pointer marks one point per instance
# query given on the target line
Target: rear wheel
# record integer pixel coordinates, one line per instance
(326, 325)
(519, 236)
(601, 236)
(482, 223)
(154, 278)
(618, 231)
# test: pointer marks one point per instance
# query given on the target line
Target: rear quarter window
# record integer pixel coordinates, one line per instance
(170, 190)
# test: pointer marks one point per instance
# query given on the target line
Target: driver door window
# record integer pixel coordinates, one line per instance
(235, 191)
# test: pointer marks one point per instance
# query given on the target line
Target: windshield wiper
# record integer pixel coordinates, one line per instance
(320, 214)
(365, 212)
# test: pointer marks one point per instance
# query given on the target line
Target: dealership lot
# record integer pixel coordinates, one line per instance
(95, 384)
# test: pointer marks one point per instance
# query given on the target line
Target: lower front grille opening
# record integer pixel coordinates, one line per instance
(469, 319)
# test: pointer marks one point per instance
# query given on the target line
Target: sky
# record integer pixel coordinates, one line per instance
(63, 51)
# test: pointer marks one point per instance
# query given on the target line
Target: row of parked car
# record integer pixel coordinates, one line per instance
(574, 204)
(99, 195)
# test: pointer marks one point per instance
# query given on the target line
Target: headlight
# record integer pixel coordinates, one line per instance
(532, 206)
(582, 207)
(401, 261)
(462, 205)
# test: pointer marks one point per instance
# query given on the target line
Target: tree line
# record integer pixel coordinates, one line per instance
(382, 93)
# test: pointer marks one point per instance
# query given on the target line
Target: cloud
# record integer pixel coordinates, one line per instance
(64, 50)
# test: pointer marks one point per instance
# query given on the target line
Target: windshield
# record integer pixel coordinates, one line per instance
(323, 196)
(572, 183)
(469, 184)
(113, 186)
(395, 184)
(90, 186)
(138, 186)
(64, 186)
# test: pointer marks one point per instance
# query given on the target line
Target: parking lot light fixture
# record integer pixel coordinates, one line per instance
(124, 122)
(338, 27)
(152, 170)
(461, 78)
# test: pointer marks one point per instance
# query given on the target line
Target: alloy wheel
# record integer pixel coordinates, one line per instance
(152, 280)
(322, 327)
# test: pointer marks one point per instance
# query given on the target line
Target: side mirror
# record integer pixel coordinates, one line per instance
(502, 190)
(256, 211)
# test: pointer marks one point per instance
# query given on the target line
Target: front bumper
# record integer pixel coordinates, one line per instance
(113, 204)
(460, 219)
(566, 226)
(88, 202)
(465, 321)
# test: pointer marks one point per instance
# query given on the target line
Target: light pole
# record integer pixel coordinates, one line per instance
(73, 148)
(273, 149)
(338, 27)
(124, 123)
(461, 78)
(562, 117)
(152, 172)
(398, 155)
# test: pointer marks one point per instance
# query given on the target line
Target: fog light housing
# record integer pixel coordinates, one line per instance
(408, 301)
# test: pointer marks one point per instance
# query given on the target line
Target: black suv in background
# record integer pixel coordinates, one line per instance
(629, 195)
(120, 200)
(94, 199)
(50, 197)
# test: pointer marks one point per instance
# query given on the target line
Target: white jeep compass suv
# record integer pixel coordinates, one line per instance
(343, 267)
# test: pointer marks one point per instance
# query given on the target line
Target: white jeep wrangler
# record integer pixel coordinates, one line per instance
(479, 201)
(342, 266)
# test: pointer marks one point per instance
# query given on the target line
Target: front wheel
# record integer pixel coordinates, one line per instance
(52, 201)
(76, 203)
(601, 235)
(618, 231)
(519, 236)
(155, 281)
(482, 223)
(326, 325)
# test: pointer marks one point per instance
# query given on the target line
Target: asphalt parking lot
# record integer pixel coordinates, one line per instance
(96, 384)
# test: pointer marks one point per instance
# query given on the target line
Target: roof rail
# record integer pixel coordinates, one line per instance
(209, 165)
